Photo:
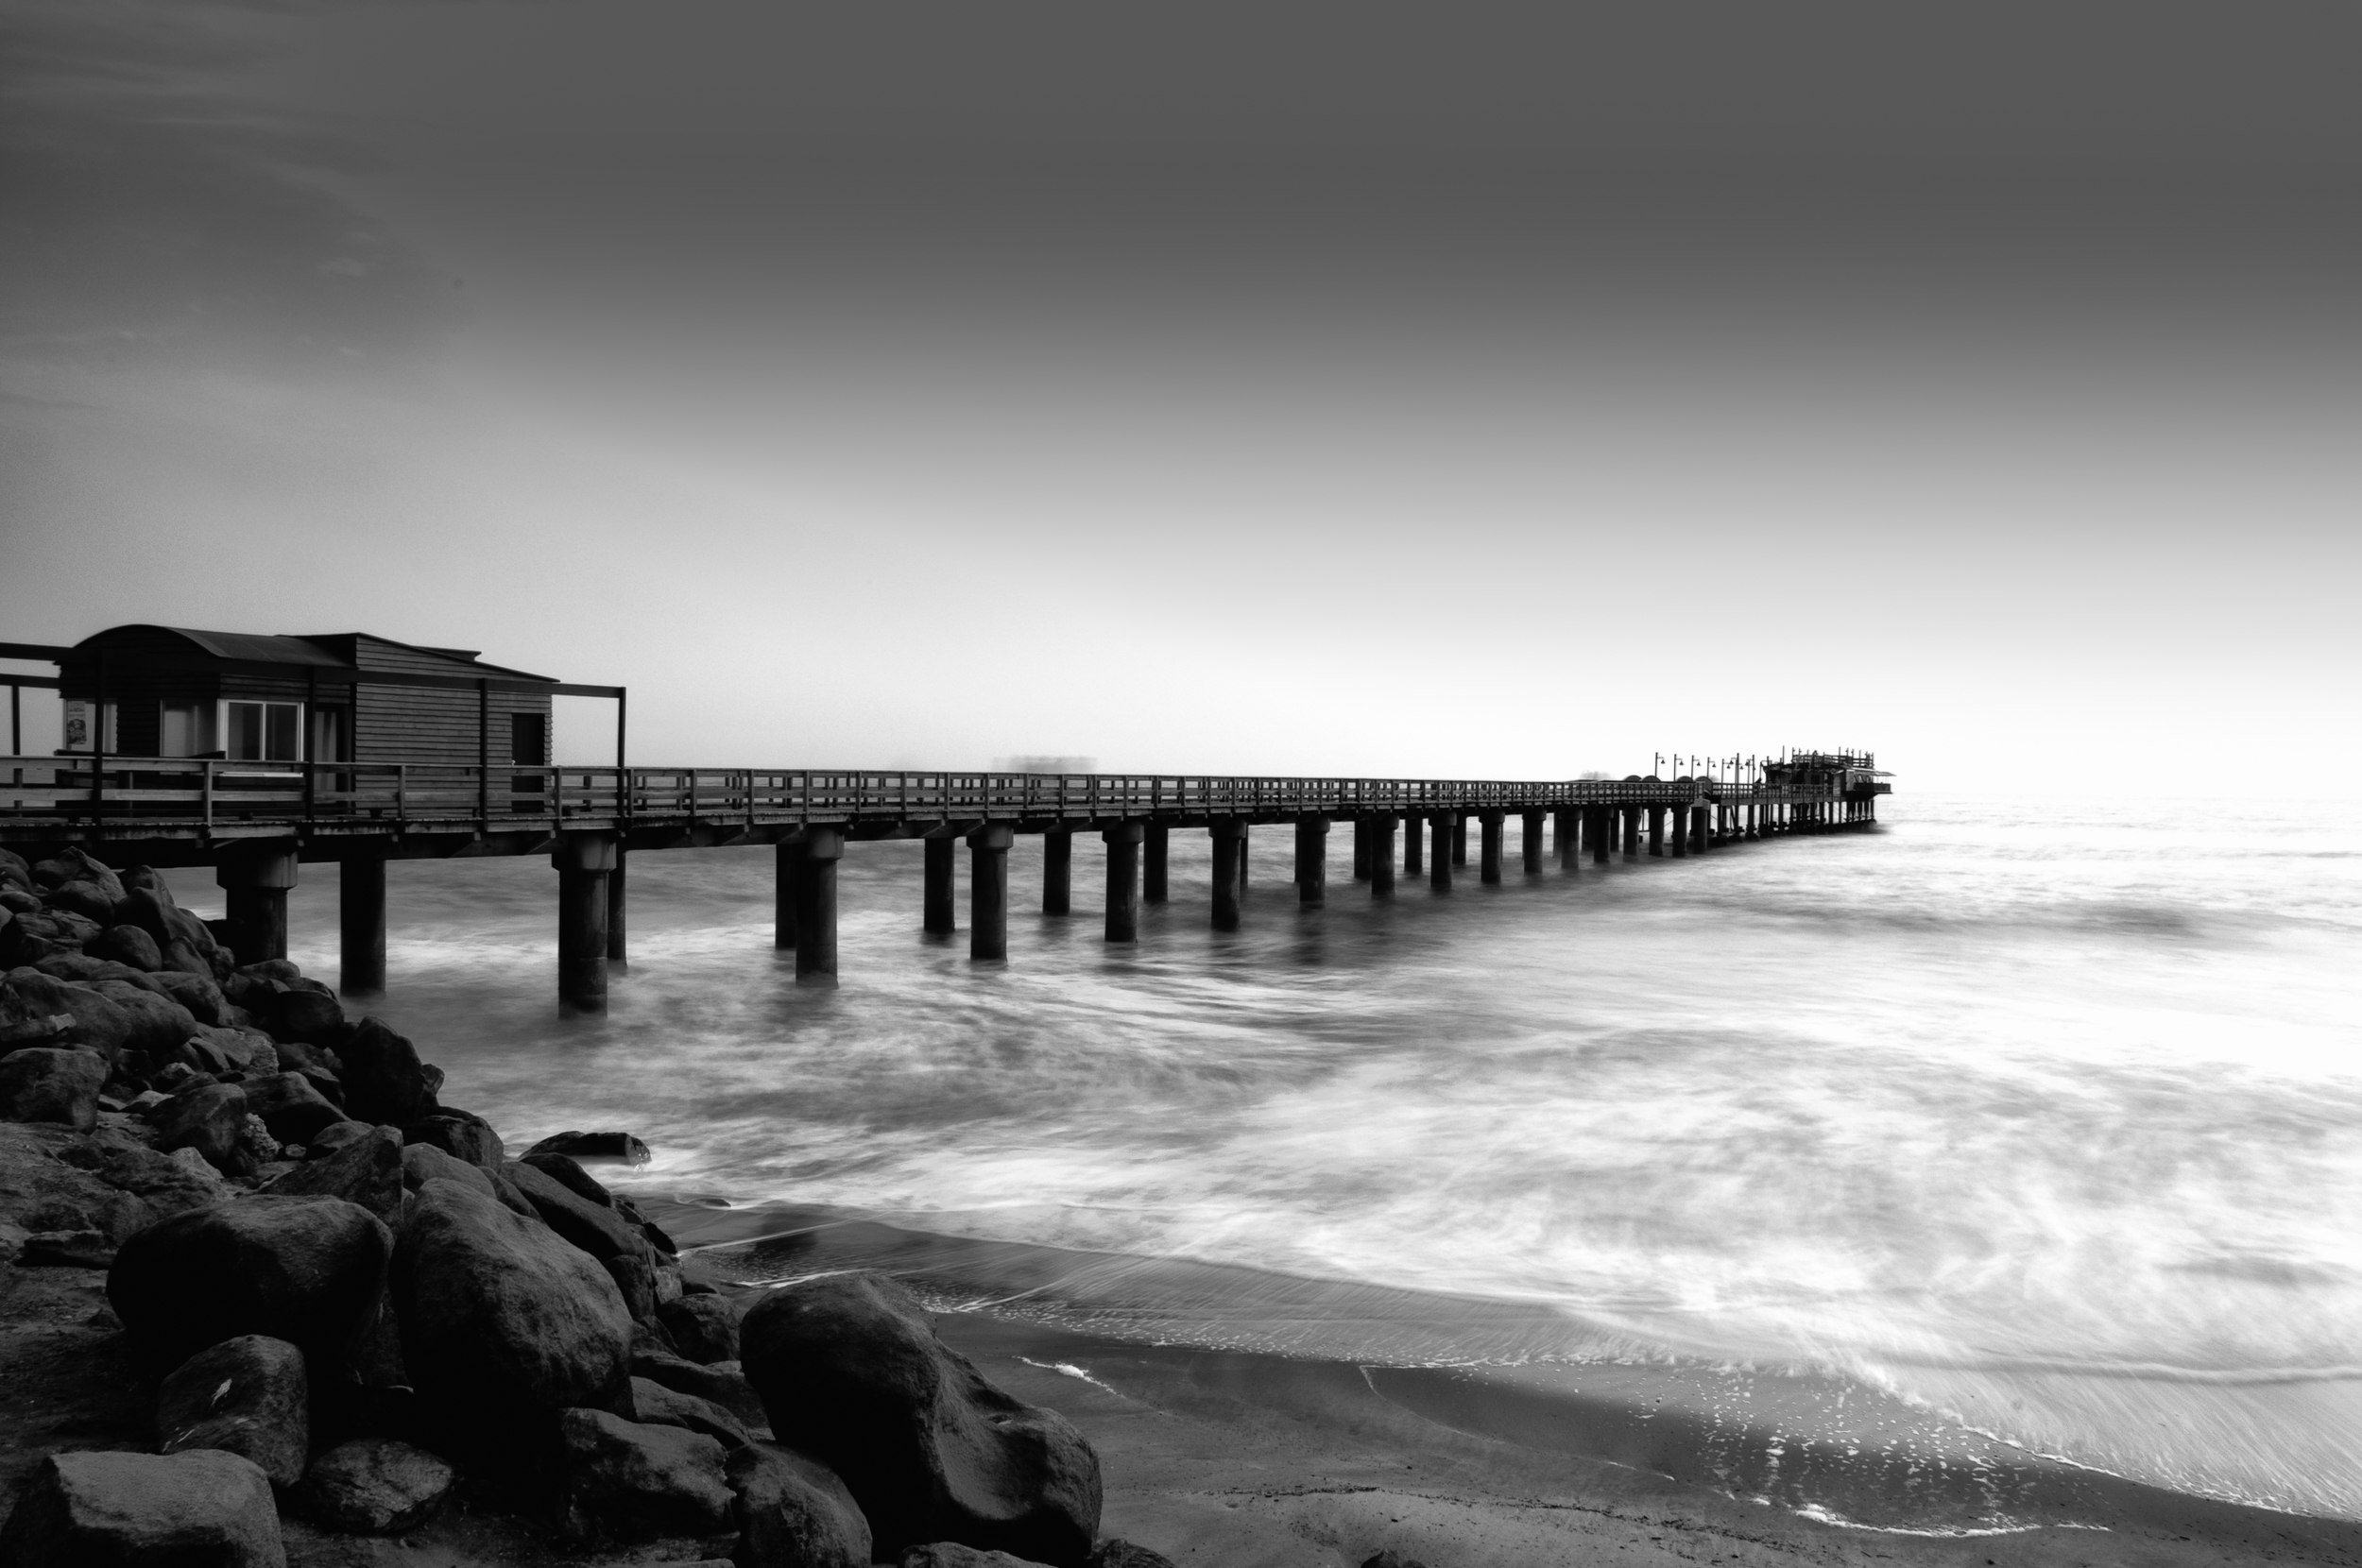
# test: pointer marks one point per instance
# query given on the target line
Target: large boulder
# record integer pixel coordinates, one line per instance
(127, 945)
(156, 1022)
(375, 1486)
(722, 1385)
(198, 994)
(851, 1371)
(98, 1021)
(633, 1482)
(595, 1227)
(1116, 1552)
(31, 1013)
(504, 1324)
(203, 1509)
(310, 1271)
(206, 1117)
(247, 1396)
(950, 1554)
(794, 1513)
(85, 898)
(290, 1107)
(383, 1079)
(226, 1049)
(655, 1405)
(704, 1328)
(366, 1171)
(617, 1146)
(307, 1016)
(74, 864)
(44, 1084)
(146, 1185)
(462, 1135)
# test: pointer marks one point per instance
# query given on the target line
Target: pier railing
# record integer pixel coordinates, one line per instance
(201, 796)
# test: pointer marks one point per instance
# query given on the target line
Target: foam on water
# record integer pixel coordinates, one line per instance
(2050, 1125)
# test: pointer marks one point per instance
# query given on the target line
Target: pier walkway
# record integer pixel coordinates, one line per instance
(256, 822)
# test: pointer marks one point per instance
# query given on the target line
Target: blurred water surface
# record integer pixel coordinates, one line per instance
(2046, 1120)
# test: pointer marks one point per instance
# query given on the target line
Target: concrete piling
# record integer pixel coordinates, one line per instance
(1311, 862)
(1362, 849)
(1153, 865)
(815, 902)
(1123, 880)
(1489, 847)
(1411, 823)
(583, 862)
(1459, 838)
(1439, 864)
(989, 892)
(616, 951)
(254, 882)
(1382, 857)
(361, 925)
(787, 868)
(939, 916)
(1057, 871)
(1229, 836)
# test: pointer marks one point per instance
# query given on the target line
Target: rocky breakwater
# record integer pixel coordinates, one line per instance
(332, 1301)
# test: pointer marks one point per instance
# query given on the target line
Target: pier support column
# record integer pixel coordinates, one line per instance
(1630, 816)
(1563, 836)
(1600, 830)
(1153, 865)
(1677, 830)
(787, 863)
(1382, 857)
(361, 926)
(1460, 838)
(1439, 864)
(938, 914)
(1755, 820)
(256, 879)
(1361, 849)
(583, 862)
(1411, 823)
(1702, 828)
(1489, 847)
(815, 902)
(616, 950)
(1229, 836)
(1312, 862)
(988, 890)
(1656, 828)
(1530, 842)
(1123, 880)
(1057, 871)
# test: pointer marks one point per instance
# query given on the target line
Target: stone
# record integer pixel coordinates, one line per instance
(85, 898)
(422, 1163)
(290, 1107)
(635, 1280)
(721, 1385)
(31, 1011)
(1391, 1559)
(197, 994)
(226, 1049)
(366, 1171)
(44, 1084)
(705, 1328)
(71, 930)
(73, 864)
(14, 871)
(154, 1022)
(655, 1405)
(206, 1117)
(203, 1509)
(375, 1486)
(247, 1396)
(503, 1324)
(593, 1146)
(309, 1269)
(794, 1513)
(97, 1022)
(335, 1135)
(628, 1481)
(568, 1172)
(952, 1554)
(127, 945)
(66, 1249)
(851, 1372)
(1115, 1552)
(460, 1135)
(383, 1079)
(596, 1229)
(306, 1017)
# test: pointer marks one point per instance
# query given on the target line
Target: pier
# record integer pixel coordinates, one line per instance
(257, 819)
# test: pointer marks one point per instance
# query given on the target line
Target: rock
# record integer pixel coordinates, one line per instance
(100, 1510)
(1114, 1551)
(503, 1324)
(704, 1328)
(127, 945)
(721, 1386)
(290, 1107)
(44, 1084)
(226, 1049)
(310, 1271)
(636, 1482)
(655, 1405)
(97, 1022)
(196, 993)
(14, 871)
(87, 899)
(794, 1513)
(305, 1016)
(337, 1135)
(154, 1022)
(851, 1372)
(594, 1228)
(635, 1280)
(30, 1009)
(366, 1171)
(247, 1396)
(74, 864)
(375, 1486)
(66, 1249)
(567, 1173)
(460, 1135)
(383, 1079)
(71, 930)
(206, 1117)
(1391, 1559)
(950, 1554)
(593, 1146)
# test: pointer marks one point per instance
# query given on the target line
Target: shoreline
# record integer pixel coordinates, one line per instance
(1245, 1452)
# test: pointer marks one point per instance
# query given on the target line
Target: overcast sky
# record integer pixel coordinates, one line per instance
(1451, 390)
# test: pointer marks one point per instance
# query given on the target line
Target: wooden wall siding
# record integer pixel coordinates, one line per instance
(409, 724)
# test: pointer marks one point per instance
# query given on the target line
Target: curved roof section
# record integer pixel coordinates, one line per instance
(258, 648)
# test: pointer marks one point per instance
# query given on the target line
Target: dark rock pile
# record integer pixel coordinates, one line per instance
(350, 1302)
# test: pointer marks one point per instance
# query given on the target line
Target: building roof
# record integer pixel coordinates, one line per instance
(315, 649)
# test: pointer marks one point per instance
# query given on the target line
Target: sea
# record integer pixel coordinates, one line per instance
(2010, 1132)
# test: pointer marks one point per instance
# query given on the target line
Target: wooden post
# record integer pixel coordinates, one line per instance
(787, 873)
(1057, 871)
(989, 892)
(361, 925)
(1489, 851)
(938, 913)
(1530, 842)
(815, 903)
(255, 879)
(1153, 864)
(1229, 836)
(1311, 862)
(615, 948)
(1123, 880)
(583, 862)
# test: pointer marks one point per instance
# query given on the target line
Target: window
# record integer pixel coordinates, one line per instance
(187, 730)
(328, 736)
(262, 732)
